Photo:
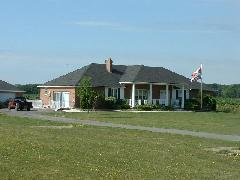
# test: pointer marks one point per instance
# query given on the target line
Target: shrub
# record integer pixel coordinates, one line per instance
(113, 103)
(209, 103)
(158, 107)
(125, 106)
(150, 107)
(192, 104)
(122, 104)
(168, 108)
(110, 103)
(145, 107)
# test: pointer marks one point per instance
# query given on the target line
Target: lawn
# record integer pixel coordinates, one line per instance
(214, 122)
(29, 152)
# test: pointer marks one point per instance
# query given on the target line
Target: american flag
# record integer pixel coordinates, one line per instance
(196, 75)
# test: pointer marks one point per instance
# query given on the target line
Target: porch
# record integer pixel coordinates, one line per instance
(156, 94)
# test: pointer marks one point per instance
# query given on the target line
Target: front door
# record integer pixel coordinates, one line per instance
(163, 96)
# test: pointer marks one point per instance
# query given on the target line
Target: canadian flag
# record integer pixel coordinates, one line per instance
(196, 75)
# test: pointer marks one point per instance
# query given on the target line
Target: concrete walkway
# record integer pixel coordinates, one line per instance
(38, 115)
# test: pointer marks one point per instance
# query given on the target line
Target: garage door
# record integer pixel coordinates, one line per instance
(5, 96)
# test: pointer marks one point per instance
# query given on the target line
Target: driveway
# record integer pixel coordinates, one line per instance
(37, 114)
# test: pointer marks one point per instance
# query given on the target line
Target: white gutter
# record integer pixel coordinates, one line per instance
(11, 91)
(57, 86)
(152, 83)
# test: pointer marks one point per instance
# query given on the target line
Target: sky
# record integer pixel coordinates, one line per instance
(41, 40)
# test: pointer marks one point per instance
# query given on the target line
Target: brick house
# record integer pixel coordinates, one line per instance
(138, 84)
(8, 91)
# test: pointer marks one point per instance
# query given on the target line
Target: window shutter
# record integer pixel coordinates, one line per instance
(176, 94)
(185, 94)
(118, 93)
(109, 92)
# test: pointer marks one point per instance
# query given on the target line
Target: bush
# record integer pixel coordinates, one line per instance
(110, 103)
(113, 103)
(150, 107)
(209, 103)
(145, 107)
(192, 104)
(125, 106)
(168, 108)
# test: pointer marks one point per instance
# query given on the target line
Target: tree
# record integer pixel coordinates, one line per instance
(87, 95)
(227, 91)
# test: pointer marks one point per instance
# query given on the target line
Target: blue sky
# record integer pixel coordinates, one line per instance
(47, 38)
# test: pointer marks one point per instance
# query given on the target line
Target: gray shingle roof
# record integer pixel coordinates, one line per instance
(4, 86)
(70, 79)
(122, 73)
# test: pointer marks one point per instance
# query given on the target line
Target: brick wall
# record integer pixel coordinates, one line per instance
(74, 99)
(127, 91)
(46, 99)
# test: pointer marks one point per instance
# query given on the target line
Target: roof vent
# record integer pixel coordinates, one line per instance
(109, 63)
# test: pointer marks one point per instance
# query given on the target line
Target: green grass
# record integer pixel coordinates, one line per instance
(96, 152)
(222, 123)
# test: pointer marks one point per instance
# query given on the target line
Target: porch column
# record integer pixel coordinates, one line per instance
(122, 96)
(150, 95)
(133, 95)
(167, 95)
(183, 98)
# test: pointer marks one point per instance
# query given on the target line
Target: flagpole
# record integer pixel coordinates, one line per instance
(201, 94)
(201, 88)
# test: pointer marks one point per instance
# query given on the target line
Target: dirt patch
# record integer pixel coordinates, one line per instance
(230, 151)
(53, 127)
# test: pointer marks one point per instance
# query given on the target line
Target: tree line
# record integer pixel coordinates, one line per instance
(227, 91)
(29, 88)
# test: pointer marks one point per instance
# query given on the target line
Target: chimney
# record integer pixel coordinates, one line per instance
(109, 65)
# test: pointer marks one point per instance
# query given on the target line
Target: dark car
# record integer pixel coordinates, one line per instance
(19, 103)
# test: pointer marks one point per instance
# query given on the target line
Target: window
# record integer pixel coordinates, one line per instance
(163, 94)
(141, 94)
(179, 94)
(46, 91)
(114, 92)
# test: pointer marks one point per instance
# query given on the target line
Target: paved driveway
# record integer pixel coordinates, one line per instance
(40, 116)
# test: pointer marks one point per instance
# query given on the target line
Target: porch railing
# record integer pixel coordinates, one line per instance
(175, 102)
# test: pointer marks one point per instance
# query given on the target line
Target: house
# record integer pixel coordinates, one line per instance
(8, 91)
(138, 84)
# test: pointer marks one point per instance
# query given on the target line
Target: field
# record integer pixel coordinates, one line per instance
(28, 151)
(228, 104)
(222, 123)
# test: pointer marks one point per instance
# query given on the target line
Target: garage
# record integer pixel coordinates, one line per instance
(8, 91)
(4, 96)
